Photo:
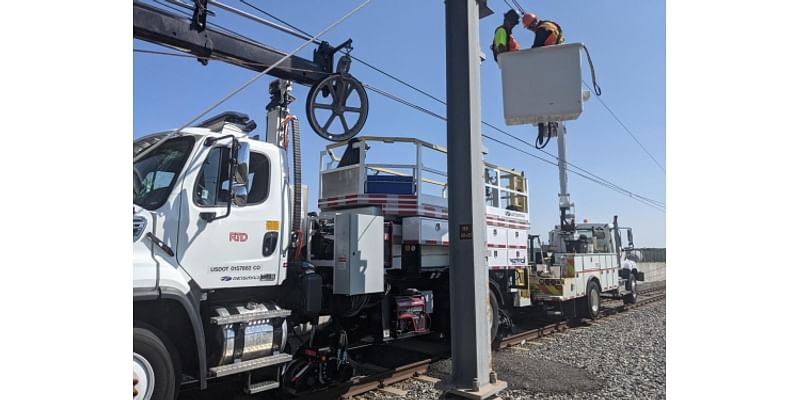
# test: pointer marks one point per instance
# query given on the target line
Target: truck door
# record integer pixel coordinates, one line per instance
(242, 249)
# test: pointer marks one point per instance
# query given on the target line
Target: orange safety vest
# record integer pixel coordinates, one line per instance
(555, 36)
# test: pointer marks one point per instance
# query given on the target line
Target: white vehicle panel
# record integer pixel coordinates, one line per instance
(496, 236)
(229, 252)
(498, 257)
(425, 230)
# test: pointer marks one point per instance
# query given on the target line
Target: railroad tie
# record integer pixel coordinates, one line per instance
(428, 379)
(393, 390)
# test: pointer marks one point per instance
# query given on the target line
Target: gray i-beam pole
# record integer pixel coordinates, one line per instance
(469, 278)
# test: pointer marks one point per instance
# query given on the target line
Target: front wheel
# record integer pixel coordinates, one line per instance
(630, 297)
(593, 300)
(153, 366)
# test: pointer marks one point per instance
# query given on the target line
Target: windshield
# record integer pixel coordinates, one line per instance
(155, 174)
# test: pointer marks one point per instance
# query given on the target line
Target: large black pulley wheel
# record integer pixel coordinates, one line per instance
(337, 107)
(153, 367)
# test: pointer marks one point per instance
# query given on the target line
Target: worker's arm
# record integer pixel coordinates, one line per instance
(500, 40)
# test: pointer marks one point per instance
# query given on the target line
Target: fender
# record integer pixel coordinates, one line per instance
(192, 307)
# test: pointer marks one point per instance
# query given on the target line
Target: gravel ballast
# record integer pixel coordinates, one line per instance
(618, 357)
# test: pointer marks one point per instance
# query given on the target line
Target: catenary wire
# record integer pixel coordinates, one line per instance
(256, 77)
(589, 175)
(431, 96)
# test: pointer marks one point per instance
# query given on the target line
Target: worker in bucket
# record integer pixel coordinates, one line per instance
(503, 40)
(546, 33)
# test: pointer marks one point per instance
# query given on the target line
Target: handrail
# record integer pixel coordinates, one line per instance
(398, 173)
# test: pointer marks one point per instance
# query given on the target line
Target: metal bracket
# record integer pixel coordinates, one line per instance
(280, 92)
(199, 15)
(323, 55)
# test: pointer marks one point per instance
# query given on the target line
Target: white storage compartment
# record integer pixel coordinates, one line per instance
(517, 237)
(496, 236)
(498, 257)
(358, 254)
(542, 84)
(517, 257)
(425, 230)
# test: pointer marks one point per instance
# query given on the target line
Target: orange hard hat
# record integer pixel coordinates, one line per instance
(529, 19)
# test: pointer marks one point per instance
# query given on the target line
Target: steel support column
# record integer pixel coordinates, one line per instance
(469, 278)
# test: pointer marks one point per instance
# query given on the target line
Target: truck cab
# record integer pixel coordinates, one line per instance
(584, 264)
(210, 250)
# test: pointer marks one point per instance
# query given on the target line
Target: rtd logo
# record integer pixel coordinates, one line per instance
(237, 237)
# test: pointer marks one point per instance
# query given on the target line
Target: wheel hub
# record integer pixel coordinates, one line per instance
(145, 374)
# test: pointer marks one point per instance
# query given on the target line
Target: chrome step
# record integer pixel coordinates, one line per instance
(242, 366)
(254, 316)
(253, 388)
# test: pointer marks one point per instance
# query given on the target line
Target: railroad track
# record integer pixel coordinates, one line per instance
(418, 368)
(384, 365)
(413, 358)
(645, 296)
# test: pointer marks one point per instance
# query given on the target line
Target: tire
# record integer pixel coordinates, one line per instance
(153, 360)
(630, 298)
(494, 315)
(592, 308)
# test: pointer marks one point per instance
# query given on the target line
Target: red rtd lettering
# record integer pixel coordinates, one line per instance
(237, 237)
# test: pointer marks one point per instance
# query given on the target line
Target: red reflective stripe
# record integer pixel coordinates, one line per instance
(595, 270)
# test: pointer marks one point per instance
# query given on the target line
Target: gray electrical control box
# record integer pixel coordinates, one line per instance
(358, 254)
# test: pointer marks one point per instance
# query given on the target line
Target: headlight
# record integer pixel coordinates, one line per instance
(138, 227)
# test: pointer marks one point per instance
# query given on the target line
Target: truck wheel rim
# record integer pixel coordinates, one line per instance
(595, 301)
(144, 372)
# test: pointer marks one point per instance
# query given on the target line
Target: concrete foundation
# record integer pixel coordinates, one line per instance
(653, 271)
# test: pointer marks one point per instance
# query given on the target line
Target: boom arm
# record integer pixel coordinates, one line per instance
(157, 26)
(330, 90)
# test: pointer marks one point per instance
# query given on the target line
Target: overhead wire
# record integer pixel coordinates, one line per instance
(642, 199)
(189, 15)
(584, 173)
(433, 97)
(613, 114)
(254, 78)
(594, 85)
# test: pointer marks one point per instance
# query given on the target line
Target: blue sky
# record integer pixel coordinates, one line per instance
(626, 39)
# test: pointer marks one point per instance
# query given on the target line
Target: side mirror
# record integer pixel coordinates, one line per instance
(630, 238)
(241, 163)
(241, 170)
